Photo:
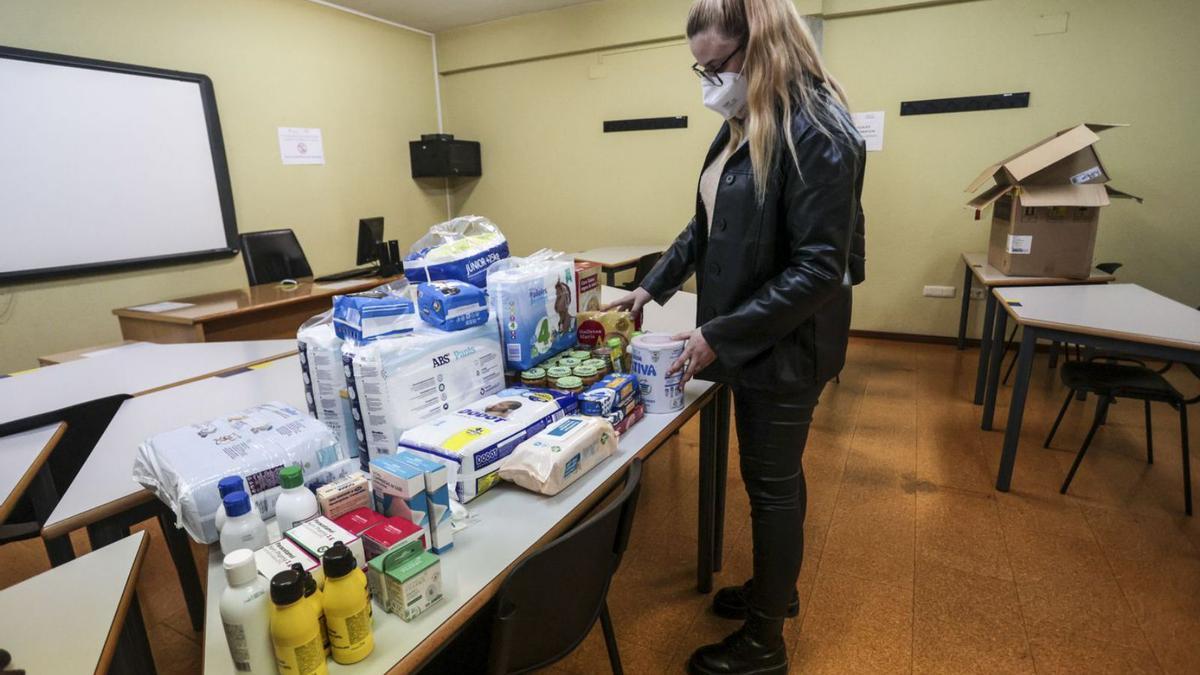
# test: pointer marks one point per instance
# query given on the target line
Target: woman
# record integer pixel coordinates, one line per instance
(776, 243)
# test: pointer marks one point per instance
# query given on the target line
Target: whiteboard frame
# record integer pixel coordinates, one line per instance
(216, 143)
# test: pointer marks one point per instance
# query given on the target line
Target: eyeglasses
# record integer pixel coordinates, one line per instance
(714, 76)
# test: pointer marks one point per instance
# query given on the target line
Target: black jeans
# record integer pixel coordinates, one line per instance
(772, 429)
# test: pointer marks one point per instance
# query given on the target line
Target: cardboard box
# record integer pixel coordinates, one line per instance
(389, 534)
(359, 521)
(280, 556)
(399, 490)
(1046, 205)
(318, 534)
(437, 492)
(406, 581)
(587, 286)
(344, 495)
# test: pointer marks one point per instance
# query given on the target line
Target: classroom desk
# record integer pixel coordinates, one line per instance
(83, 353)
(979, 271)
(1120, 318)
(71, 618)
(261, 312)
(614, 259)
(23, 467)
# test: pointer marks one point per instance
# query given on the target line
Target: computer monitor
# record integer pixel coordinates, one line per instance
(370, 235)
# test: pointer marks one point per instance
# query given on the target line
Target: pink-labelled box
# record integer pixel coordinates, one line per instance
(391, 533)
(359, 521)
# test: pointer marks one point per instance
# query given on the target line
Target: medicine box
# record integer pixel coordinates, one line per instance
(359, 521)
(399, 489)
(406, 581)
(344, 495)
(390, 533)
(437, 491)
(318, 534)
(280, 556)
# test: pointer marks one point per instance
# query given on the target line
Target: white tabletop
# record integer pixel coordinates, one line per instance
(133, 369)
(612, 256)
(990, 276)
(63, 620)
(1121, 311)
(679, 314)
(106, 476)
(21, 455)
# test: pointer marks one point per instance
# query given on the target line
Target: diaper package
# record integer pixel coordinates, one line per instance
(609, 395)
(560, 454)
(452, 305)
(534, 300)
(182, 467)
(383, 312)
(463, 249)
(325, 380)
(472, 440)
(396, 384)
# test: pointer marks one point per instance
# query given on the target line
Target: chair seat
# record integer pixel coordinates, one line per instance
(1118, 380)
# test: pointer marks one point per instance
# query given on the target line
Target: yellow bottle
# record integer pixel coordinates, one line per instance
(295, 633)
(347, 606)
(313, 598)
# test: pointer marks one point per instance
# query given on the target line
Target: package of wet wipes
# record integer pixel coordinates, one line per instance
(463, 249)
(452, 305)
(325, 379)
(534, 300)
(559, 454)
(472, 440)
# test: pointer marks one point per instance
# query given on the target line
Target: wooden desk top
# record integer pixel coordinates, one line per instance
(617, 256)
(67, 619)
(1121, 311)
(230, 303)
(85, 352)
(21, 456)
(992, 277)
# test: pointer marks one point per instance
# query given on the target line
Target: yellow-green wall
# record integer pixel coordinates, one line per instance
(551, 178)
(367, 85)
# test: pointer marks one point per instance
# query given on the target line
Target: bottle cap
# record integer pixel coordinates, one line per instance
(287, 587)
(338, 561)
(614, 342)
(230, 484)
(291, 477)
(310, 584)
(236, 504)
(240, 568)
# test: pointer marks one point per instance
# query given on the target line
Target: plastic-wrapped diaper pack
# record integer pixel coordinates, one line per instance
(533, 298)
(452, 305)
(383, 312)
(400, 383)
(325, 380)
(184, 466)
(472, 440)
(463, 249)
(559, 454)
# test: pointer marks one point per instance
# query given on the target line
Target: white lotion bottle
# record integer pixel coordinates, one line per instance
(245, 613)
(228, 485)
(296, 504)
(244, 528)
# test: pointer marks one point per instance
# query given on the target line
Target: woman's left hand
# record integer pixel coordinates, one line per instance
(697, 355)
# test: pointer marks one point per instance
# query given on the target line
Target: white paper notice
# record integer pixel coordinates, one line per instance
(301, 146)
(162, 307)
(870, 125)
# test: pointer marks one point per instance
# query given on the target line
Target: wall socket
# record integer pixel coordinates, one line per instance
(940, 291)
(978, 293)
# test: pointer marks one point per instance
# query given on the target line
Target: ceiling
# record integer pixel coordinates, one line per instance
(439, 15)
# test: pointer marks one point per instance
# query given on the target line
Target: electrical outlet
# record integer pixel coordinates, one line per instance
(978, 293)
(940, 291)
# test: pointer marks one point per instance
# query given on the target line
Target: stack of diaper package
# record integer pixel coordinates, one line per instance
(325, 380)
(534, 300)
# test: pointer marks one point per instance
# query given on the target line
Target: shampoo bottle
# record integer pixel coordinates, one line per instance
(244, 528)
(228, 485)
(295, 634)
(347, 606)
(245, 613)
(296, 504)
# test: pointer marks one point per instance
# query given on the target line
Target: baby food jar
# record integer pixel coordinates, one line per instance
(534, 377)
(569, 385)
(568, 362)
(581, 354)
(601, 366)
(588, 374)
(553, 375)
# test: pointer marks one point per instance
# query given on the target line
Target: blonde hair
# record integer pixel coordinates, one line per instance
(783, 69)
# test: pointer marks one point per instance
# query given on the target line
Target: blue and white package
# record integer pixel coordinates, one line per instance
(382, 312)
(398, 489)
(534, 300)
(325, 380)
(452, 305)
(397, 384)
(463, 249)
(472, 440)
(437, 491)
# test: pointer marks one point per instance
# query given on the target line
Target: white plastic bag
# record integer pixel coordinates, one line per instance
(461, 249)
(534, 298)
(325, 379)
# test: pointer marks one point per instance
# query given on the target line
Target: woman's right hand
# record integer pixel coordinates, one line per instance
(631, 302)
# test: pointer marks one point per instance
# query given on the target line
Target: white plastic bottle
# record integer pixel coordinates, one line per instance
(228, 484)
(244, 528)
(296, 504)
(245, 613)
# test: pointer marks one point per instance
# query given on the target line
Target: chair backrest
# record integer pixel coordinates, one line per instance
(645, 264)
(273, 255)
(551, 600)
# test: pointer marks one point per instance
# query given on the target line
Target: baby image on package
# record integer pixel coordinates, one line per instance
(534, 300)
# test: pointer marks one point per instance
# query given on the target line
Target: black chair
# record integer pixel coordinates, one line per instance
(644, 265)
(551, 600)
(1113, 377)
(272, 256)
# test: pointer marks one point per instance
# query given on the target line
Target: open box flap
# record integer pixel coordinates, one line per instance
(1117, 194)
(1045, 153)
(1063, 195)
(988, 198)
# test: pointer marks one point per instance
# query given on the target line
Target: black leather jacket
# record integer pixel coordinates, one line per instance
(775, 280)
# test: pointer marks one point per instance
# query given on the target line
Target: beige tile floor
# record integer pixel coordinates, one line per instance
(913, 562)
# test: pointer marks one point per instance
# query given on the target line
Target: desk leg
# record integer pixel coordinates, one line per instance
(707, 512)
(721, 477)
(44, 497)
(610, 276)
(966, 308)
(1016, 409)
(996, 363)
(185, 567)
(985, 346)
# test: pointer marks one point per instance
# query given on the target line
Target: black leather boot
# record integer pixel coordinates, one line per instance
(757, 648)
(731, 602)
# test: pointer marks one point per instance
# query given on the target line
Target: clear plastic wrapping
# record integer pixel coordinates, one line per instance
(534, 299)
(462, 249)
(325, 379)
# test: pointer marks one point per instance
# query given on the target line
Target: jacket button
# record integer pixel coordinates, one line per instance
(721, 224)
(714, 269)
(730, 179)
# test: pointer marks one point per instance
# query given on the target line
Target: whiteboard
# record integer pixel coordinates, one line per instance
(107, 166)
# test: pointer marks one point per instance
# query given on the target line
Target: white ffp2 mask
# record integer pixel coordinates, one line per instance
(727, 99)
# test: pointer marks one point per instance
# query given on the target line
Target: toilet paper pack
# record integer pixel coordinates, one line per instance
(534, 300)
(325, 380)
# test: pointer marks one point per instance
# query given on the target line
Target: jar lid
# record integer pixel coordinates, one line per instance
(570, 382)
(570, 362)
(585, 371)
(581, 354)
(598, 364)
(533, 374)
(558, 371)
(614, 342)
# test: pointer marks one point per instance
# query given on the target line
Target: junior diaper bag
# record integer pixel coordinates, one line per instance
(461, 249)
